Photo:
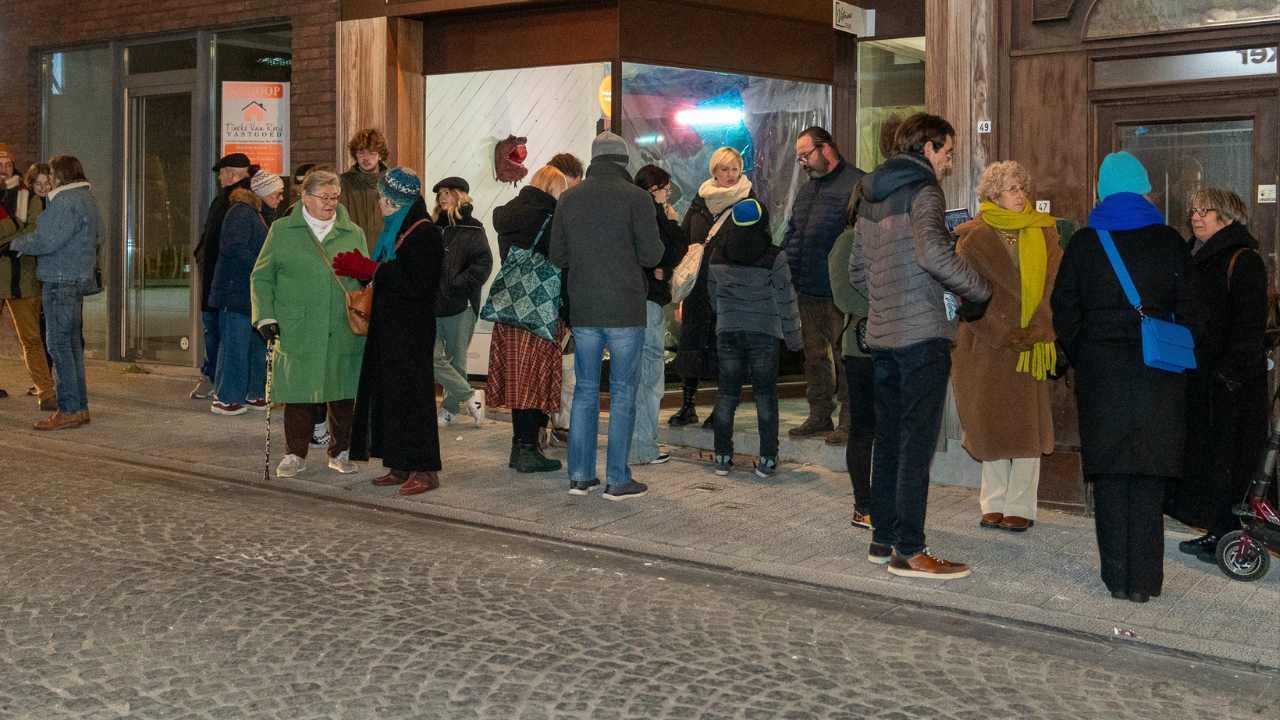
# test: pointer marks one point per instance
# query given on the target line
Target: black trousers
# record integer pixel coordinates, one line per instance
(1129, 516)
(525, 425)
(860, 375)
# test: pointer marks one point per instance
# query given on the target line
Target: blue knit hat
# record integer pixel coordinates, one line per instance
(747, 212)
(400, 186)
(1122, 172)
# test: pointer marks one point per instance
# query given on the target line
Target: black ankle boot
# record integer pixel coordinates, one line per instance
(515, 452)
(688, 415)
(529, 459)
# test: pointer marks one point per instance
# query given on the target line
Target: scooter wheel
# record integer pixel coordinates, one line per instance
(1242, 561)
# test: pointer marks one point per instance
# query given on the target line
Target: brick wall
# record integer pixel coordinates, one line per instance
(32, 27)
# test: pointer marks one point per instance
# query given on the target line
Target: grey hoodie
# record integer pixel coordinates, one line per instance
(903, 259)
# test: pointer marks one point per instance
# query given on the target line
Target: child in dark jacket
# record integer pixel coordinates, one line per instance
(749, 283)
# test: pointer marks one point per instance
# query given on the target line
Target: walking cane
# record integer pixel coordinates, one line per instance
(266, 460)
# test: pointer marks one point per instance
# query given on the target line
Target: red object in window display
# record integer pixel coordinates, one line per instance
(508, 159)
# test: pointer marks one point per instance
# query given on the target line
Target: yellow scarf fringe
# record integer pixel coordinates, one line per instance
(1033, 263)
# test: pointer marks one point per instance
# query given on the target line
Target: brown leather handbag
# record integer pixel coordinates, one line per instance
(359, 302)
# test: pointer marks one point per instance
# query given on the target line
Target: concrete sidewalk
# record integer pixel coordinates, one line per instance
(794, 526)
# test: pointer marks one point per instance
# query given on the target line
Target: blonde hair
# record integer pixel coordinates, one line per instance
(725, 156)
(455, 211)
(995, 176)
(1227, 204)
(318, 178)
(549, 180)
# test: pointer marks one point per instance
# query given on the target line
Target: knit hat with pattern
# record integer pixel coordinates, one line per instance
(400, 186)
(264, 183)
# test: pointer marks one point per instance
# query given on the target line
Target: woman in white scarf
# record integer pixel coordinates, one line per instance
(696, 357)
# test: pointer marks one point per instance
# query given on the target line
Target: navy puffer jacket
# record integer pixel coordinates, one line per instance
(817, 219)
(243, 232)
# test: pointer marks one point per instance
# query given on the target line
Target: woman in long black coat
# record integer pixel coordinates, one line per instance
(1227, 392)
(1132, 430)
(395, 415)
(696, 356)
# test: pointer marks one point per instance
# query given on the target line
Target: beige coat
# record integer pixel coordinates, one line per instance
(1005, 414)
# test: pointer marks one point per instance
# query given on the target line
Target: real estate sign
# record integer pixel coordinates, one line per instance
(255, 121)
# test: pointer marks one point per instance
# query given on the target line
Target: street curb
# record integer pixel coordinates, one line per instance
(904, 591)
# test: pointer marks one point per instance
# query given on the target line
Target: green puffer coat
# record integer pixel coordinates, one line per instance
(317, 358)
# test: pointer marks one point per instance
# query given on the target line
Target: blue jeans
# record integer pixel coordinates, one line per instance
(650, 386)
(212, 335)
(64, 318)
(911, 391)
(242, 360)
(746, 354)
(625, 346)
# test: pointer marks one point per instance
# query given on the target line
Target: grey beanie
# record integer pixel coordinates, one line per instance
(608, 146)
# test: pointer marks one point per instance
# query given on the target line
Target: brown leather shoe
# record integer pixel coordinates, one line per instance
(991, 521)
(838, 437)
(420, 482)
(61, 421)
(49, 403)
(389, 479)
(811, 427)
(83, 416)
(1015, 524)
(924, 565)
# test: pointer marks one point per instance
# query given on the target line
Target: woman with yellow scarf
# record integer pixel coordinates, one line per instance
(1003, 361)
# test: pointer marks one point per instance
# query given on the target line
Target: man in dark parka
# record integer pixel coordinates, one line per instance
(233, 173)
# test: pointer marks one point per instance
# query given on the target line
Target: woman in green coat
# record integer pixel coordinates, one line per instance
(299, 307)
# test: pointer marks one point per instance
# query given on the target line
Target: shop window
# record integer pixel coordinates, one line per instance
(557, 109)
(77, 121)
(262, 55)
(161, 57)
(890, 84)
(677, 118)
(1111, 18)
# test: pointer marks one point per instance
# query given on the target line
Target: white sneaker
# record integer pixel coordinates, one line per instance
(444, 417)
(342, 464)
(320, 437)
(475, 406)
(291, 465)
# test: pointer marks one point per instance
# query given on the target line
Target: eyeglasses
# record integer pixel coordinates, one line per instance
(1201, 212)
(664, 188)
(804, 157)
(1016, 189)
(326, 199)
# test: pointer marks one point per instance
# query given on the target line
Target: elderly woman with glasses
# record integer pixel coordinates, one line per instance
(1227, 392)
(1003, 360)
(299, 305)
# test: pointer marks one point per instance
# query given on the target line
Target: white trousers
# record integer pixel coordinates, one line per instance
(1009, 487)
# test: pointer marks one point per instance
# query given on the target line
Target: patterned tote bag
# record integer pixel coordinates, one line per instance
(526, 292)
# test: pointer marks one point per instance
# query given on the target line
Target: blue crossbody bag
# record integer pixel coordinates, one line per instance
(1165, 345)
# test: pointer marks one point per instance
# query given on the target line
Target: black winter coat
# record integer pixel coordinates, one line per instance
(395, 415)
(206, 252)
(696, 354)
(1227, 392)
(817, 219)
(1130, 422)
(518, 224)
(468, 261)
(675, 243)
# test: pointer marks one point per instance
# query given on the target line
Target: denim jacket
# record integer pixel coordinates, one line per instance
(67, 236)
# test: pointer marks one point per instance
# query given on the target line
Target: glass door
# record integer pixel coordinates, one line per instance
(158, 297)
(1189, 144)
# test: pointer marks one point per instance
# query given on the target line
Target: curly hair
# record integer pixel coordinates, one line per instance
(1227, 204)
(370, 139)
(997, 175)
(567, 164)
(36, 171)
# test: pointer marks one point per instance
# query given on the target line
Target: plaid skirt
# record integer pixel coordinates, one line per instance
(524, 369)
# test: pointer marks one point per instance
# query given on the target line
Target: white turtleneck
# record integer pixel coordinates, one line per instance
(320, 227)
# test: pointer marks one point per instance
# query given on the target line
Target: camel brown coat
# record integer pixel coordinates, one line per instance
(1005, 414)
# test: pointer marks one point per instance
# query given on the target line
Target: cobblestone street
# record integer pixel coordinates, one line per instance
(137, 593)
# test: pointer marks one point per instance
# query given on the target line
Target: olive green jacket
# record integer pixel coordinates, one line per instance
(317, 357)
(848, 300)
